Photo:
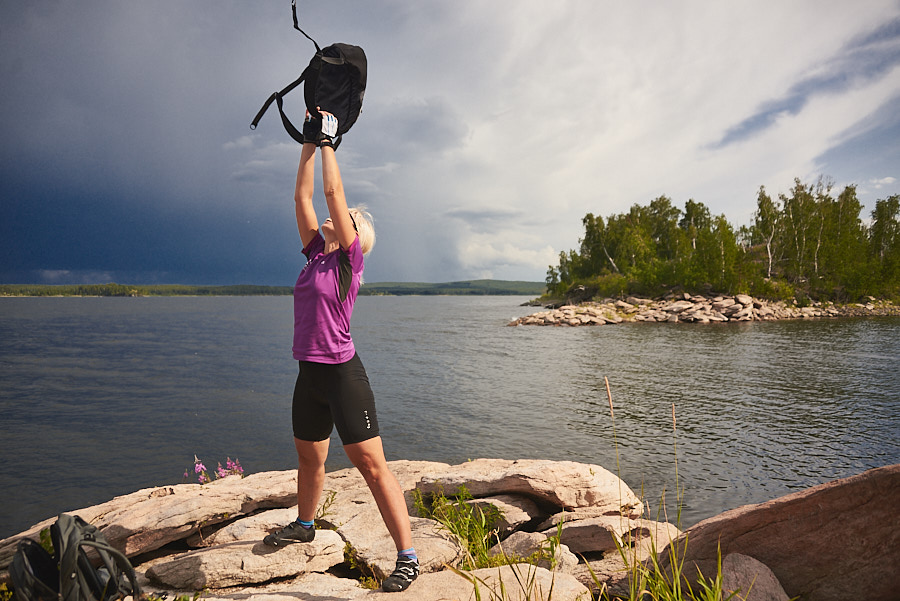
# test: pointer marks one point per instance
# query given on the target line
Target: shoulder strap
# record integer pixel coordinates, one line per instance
(277, 96)
(297, 26)
(76, 571)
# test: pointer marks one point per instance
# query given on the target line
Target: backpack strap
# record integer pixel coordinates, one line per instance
(79, 580)
(276, 96)
(311, 73)
(120, 560)
(34, 573)
(297, 25)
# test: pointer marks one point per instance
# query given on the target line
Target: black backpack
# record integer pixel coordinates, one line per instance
(335, 82)
(69, 574)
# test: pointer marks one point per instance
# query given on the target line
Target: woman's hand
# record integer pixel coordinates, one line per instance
(329, 129)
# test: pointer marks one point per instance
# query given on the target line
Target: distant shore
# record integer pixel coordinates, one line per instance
(465, 288)
(687, 308)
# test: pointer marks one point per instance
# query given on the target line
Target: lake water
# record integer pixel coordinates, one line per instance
(103, 396)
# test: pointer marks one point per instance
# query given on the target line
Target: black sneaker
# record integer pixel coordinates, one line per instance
(292, 533)
(405, 572)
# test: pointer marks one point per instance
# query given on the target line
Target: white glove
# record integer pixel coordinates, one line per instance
(329, 125)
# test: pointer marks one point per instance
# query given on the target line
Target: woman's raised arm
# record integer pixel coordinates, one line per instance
(334, 196)
(307, 223)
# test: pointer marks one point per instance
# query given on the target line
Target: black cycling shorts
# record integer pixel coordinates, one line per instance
(329, 395)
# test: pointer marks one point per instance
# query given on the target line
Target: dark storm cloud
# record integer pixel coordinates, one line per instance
(126, 152)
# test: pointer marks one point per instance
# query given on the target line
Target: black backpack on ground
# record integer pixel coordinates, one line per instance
(69, 574)
(335, 82)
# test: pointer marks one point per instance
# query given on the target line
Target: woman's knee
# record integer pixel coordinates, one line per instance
(311, 455)
(368, 458)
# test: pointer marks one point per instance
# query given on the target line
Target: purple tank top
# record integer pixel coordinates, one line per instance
(323, 302)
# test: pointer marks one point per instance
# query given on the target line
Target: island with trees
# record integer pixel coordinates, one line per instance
(811, 244)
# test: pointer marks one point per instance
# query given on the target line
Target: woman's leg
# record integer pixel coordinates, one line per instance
(368, 457)
(310, 476)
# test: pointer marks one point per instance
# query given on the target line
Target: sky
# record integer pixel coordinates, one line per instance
(488, 131)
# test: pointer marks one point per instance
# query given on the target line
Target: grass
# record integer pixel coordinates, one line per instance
(476, 527)
(473, 525)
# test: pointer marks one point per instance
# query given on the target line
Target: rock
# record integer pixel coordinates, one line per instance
(731, 309)
(515, 511)
(523, 545)
(247, 562)
(522, 582)
(721, 303)
(678, 306)
(308, 587)
(750, 580)
(564, 484)
(373, 549)
(146, 520)
(253, 528)
(585, 531)
(745, 311)
(695, 309)
(352, 495)
(832, 542)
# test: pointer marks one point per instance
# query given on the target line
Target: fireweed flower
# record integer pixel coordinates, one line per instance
(232, 468)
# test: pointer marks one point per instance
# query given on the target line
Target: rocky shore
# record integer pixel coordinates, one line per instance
(832, 542)
(687, 308)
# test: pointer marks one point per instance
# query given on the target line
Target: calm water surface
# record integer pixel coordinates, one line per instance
(102, 396)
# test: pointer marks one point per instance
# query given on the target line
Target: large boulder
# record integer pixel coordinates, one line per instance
(148, 519)
(832, 542)
(563, 484)
(246, 562)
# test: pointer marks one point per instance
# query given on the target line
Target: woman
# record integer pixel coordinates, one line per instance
(332, 388)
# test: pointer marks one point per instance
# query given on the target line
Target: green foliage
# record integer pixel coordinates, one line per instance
(472, 524)
(806, 244)
(46, 541)
(5, 593)
(366, 579)
(325, 508)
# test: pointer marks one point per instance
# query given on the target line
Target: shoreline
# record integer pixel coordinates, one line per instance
(688, 308)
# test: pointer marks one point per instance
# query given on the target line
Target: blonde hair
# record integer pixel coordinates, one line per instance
(364, 228)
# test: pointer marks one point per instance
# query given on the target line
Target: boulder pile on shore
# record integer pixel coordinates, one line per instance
(688, 308)
(832, 542)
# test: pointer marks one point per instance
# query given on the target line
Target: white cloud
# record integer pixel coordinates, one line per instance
(881, 182)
